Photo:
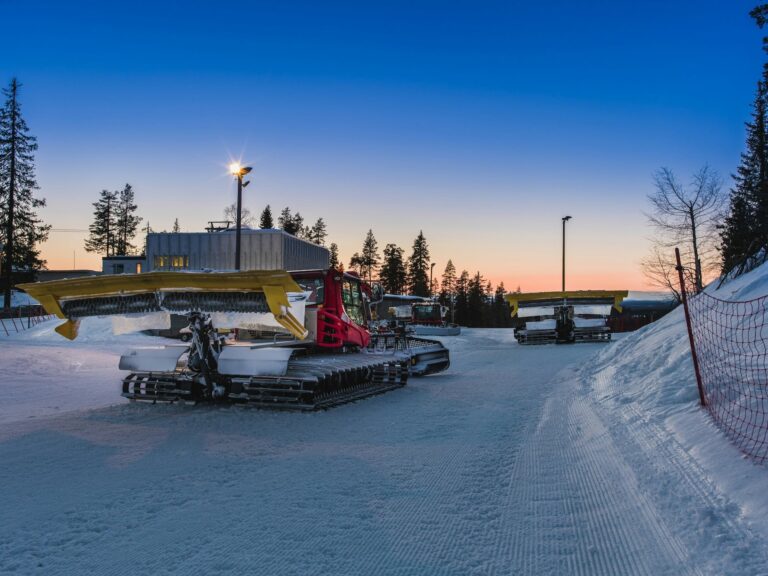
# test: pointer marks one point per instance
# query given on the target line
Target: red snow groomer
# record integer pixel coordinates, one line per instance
(564, 317)
(312, 349)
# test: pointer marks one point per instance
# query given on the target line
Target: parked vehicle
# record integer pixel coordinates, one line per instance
(329, 358)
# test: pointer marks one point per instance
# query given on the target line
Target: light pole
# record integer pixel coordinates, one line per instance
(565, 219)
(431, 267)
(238, 172)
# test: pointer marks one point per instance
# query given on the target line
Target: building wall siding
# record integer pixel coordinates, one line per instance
(260, 250)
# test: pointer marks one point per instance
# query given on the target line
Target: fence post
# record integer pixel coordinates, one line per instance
(684, 296)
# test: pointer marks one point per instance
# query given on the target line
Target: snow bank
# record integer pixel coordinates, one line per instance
(92, 331)
(22, 299)
(649, 375)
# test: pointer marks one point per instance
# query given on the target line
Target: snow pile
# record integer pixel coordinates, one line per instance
(22, 299)
(93, 330)
(648, 376)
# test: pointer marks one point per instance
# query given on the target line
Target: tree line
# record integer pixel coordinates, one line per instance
(744, 231)
(115, 224)
(472, 300)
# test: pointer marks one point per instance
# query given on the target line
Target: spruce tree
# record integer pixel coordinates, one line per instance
(334, 259)
(501, 312)
(448, 284)
(127, 221)
(738, 240)
(356, 263)
(176, 228)
(21, 230)
(461, 304)
(393, 274)
(760, 16)
(488, 318)
(476, 300)
(369, 262)
(285, 221)
(265, 221)
(418, 267)
(299, 230)
(744, 231)
(318, 233)
(740, 232)
(102, 237)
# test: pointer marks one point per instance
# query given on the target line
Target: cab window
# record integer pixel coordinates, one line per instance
(426, 312)
(352, 298)
(315, 288)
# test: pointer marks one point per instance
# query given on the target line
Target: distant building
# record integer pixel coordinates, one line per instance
(637, 312)
(268, 249)
(123, 265)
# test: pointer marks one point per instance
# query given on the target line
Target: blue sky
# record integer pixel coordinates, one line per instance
(481, 124)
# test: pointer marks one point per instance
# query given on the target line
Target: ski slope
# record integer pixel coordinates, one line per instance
(583, 459)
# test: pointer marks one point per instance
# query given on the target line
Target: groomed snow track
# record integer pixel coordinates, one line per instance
(518, 460)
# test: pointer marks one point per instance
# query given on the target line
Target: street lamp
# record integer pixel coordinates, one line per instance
(565, 219)
(431, 267)
(238, 172)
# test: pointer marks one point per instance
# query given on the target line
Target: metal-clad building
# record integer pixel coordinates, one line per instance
(267, 249)
(123, 264)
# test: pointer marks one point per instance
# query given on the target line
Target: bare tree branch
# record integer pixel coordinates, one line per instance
(659, 270)
(686, 217)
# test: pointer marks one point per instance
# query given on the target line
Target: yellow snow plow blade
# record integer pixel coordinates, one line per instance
(572, 298)
(178, 292)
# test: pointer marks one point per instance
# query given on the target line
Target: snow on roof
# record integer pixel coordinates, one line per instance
(406, 298)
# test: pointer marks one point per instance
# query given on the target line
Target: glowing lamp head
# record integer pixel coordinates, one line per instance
(236, 169)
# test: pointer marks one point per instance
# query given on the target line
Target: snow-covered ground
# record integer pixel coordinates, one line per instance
(584, 459)
(646, 388)
(45, 374)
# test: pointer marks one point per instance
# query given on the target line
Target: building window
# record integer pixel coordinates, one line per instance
(138, 267)
(161, 261)
(178, 262)
(118, 268)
